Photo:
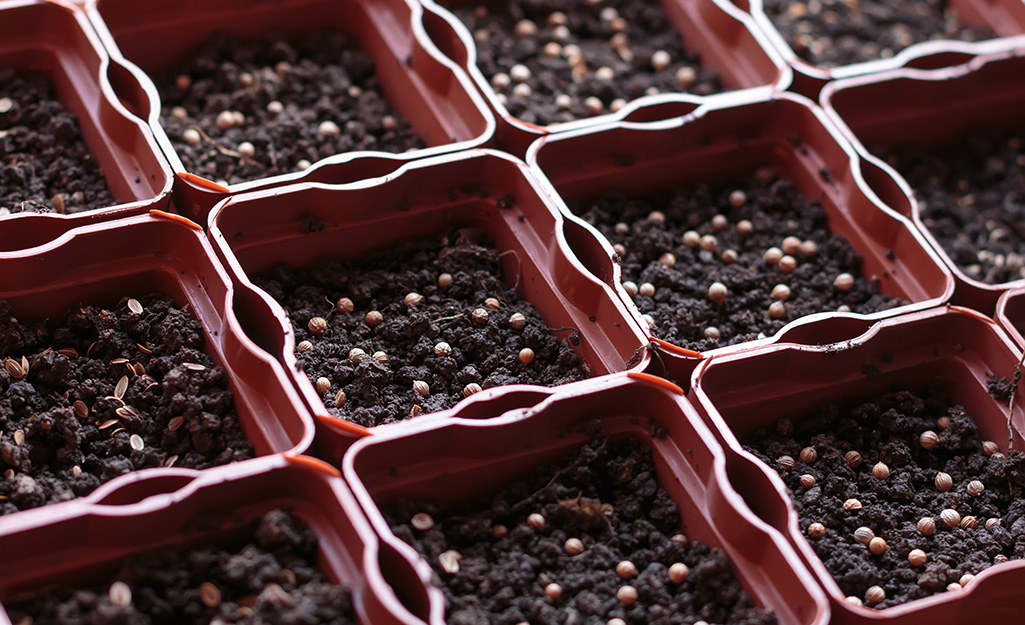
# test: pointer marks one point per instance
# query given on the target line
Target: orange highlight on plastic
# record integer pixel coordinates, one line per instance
(183, 220)
(654, 379)
(200, 181)
(313, 463)
(346, 426)
(669, 347)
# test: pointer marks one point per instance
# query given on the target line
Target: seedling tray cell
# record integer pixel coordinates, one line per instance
(476, 195)
(87, 541)
(733, 54)
(103, 265)
(955, 348)
(719, 141)
(424, 88)
(933, 111)
(453, 459)
(55, 41)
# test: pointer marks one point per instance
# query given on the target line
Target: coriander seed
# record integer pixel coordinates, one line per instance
(627, 595)
(323, 385)
(421, 388)
(646, 289)
(553, 591)
(373, 318)
(917, 557)
(471, 389)
(709, 243)
(926, 526)
(874, 595)
(989, 448)
(780, 292)
(969, 522)
(304, 346)
(717, 292)
(791, 245)
(573, 546)
(943, 482)
(787, 264)
(864, 535)
(877, 546)
(853, 459)
(442, 349)
(816, 530)
(807, 480)
(786, 462)
(526, 355)
(339, 399)
(881, 471)
(536, 521)
(975, 488)
(928, 439)
(422, 521)
(691, 239)
(356, 354)
(852, 504)
(844, 282)
(517, 321)
(449, 561)
(626, 569)
(745, 227)
(445, 280)
(413, 299)
(950, 518)
(773, 255)
(809, 455)
(479, 316)
(317, 325)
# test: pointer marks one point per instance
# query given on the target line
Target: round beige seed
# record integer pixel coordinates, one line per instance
(626, 569)
(517, 321)
(553, 591)
(745, 227)
(373, 318)
(791, 245)
(479, 316)
(787, 264)
(917, 557)
(816, 530)
(246, 149)
(422, 521)
(773, 255)
(536, 521)
(646, 289)
(191, 136)
(719, 222)
(691, 238)
(445, 280)
(969, 522)
(323, 385)
(975, 488)
(413, 299)
(573, 546)
(492, 303)
(421, 388)
(780, 292)
(877, 546)
(627, 595)
(526, 355)
(471, 389)
(852, 504)
(630, 288)
(380, 356)
(730, 256)
(317, 325)
(345, 305)
(991, 524)
(967, 577)
(777, 310)
(853, 459)
(340, 399)
(786, 462)
(717, 292)
(667, 259)
(853, 600)
(712, 332)
(943, 482)
(442, 349)
(737, 198)
(864, 535)
(807, 480)
(356, 354)
(950, 518)
(874, 595)
(928, 439)
(989, 448)
(120, 594)
(809, 455)
(953, 587)
(678, 572)
(943, 423)
(709, 243)
(881, 471)
(926, 526)
(809, 248)
(844, 282)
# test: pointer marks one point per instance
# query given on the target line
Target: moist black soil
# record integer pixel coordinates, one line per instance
(484, 353)
(270, 577)
(647, 30)
(971, 195)
(502, 579)
(45, 165)
(830, 33)
(67, 426)
(319, 78)
(681, 309)
(886, 429)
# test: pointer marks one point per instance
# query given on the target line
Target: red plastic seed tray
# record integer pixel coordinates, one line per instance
(1005, 17)
(422, 85)
(726, 38)
(253, 231)
(1010, 314)
(973, 89)
(55, 38)
(452, 458)
(86, 539)
(707, 139)
(739, 392)
(100, 264)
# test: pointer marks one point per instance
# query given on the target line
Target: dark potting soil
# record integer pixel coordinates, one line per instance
(681, 308)
(887, 429)
(270, 577)
(485, 353)
(45, 165)
(503, 575)
(557, 91)
(830, 33)
(106, 392)
(971, 195)
(283, 92)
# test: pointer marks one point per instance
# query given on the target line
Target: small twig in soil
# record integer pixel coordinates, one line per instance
(1010, 401)
(518, 505)
(226, 151)
(519, 265)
